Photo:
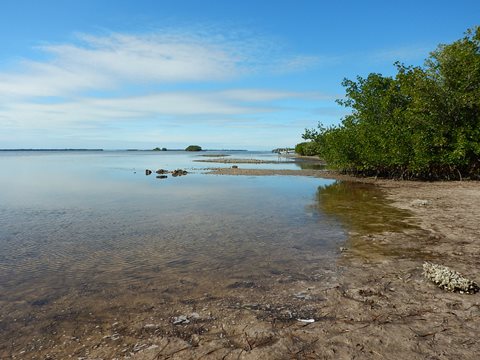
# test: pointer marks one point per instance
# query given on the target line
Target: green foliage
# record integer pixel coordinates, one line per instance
(423, 123)
(193, 148)
(309, 148)
(299, 148)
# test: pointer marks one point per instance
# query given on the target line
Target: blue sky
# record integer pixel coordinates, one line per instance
(221, 74)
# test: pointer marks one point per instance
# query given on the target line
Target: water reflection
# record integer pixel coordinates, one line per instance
(364, 211)
(310, 165)
(363, 208)
(88, 228)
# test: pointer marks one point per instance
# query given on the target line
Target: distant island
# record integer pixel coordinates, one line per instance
(158, 149)
(193, 148)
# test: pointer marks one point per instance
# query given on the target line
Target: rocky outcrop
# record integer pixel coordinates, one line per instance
(179, 172)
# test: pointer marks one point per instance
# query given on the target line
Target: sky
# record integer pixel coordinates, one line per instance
(217, 73)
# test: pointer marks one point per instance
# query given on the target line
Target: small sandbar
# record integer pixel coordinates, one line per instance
(215, 155)
(245, 161)
(265, 172)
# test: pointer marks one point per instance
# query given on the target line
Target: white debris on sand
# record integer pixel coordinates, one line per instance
(448, 279)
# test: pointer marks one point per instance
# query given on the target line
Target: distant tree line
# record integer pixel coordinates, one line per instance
(422, 123)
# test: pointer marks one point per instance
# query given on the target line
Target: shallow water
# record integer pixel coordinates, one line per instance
(88, 232)
(364, 211)
(70, 218)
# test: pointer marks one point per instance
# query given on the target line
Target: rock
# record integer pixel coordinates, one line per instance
(180, 320)
(185, 319)
(302, 296)
(162, 171)
(234, 166)
(343, 249)
(148, 172)
(162, 176)
(419, 202)
(194, 316)
(179, 172)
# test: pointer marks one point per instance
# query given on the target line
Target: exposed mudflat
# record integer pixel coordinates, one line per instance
(242, 161)
(374, 304)
(266, 172)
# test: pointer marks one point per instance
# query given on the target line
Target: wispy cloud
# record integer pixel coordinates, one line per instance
(59, 93)
(162, 105)
(110, 61)
(401, 53)
(99, 63)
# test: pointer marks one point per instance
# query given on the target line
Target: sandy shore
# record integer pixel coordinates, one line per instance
(375, 304)
(382, 307)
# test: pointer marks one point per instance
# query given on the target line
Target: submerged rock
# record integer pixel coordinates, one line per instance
(448, 279)
(179, 172)
(162, 176)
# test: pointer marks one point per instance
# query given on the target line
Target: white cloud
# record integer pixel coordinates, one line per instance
(58, 95)
(170, 105)
(115, 60)
(99, 63)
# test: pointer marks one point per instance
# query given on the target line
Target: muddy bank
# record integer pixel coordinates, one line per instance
(374, 303)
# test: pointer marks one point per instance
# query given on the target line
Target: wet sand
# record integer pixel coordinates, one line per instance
(382, 307)
(374, 303)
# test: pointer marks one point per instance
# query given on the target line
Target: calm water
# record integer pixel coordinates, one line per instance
(73, 218)
(87, 240)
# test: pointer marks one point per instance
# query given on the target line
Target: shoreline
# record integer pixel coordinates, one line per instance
(373, 303)
(387, 297)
